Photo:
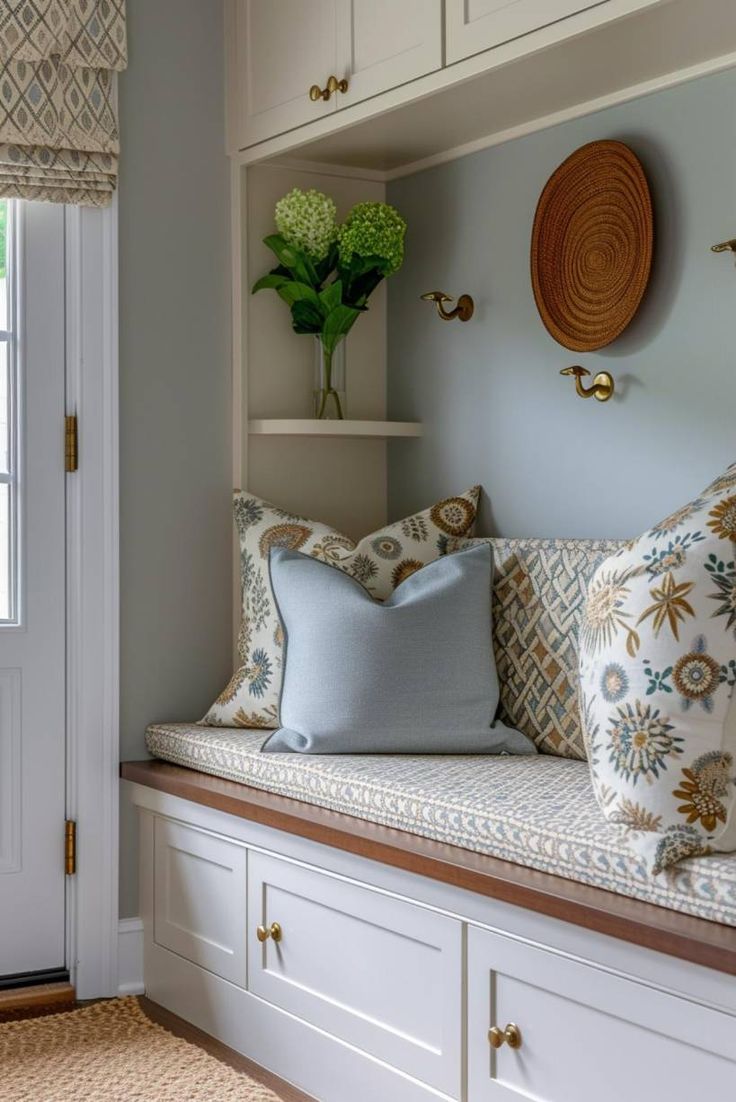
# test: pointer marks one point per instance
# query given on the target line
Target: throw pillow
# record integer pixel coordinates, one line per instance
(539, 590)
(411, 675)
(380, 562)
(658, 669)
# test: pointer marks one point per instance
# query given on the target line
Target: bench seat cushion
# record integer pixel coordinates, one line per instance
(537, 811)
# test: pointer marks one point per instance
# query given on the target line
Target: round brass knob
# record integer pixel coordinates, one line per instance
(274, 931)
(333, 85)
(510, 1036)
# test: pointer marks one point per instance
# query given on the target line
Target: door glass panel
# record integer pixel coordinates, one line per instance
(6, 604)
(4, 217)
(8, 417)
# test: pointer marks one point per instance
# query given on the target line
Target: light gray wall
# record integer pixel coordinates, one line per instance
(495, 408)
(175, 446)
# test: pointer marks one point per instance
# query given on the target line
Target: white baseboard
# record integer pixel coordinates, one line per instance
(130, 957)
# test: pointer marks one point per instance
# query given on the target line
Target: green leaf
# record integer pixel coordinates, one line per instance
(363, 287)
(324, 267)
(270, 280)
(298, 263)
(306, 318)
(291, 291)
(331, 296)
(338, 323)
(361, 275)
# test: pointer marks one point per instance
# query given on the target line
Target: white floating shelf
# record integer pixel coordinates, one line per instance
(313, 427)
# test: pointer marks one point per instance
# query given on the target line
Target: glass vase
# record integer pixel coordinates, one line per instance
(329, 381)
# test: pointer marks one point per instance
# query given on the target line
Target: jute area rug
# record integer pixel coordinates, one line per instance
(111, 1052)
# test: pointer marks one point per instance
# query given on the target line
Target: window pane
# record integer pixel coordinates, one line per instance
(5, 558)
(3, 264)
(4, 409)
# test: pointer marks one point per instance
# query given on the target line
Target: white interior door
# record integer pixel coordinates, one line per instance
(32, 590)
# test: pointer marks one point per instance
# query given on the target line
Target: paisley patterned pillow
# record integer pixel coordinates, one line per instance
(657, 670)
(380, 562)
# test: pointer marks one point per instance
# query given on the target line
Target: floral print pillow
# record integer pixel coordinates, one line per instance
(658, 670)
(380, 562)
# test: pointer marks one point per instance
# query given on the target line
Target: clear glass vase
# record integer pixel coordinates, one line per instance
(329, 381)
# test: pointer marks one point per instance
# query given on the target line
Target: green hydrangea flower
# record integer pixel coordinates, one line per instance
(373, 229)
(306, 220)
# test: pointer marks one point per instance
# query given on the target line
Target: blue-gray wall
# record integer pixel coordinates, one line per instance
(175, 390)
(494, 406)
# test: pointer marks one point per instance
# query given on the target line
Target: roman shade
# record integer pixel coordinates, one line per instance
(59, 138)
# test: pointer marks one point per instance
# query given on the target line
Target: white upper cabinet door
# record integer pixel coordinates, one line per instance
(382, 44)
(283, 48)
(477, 25)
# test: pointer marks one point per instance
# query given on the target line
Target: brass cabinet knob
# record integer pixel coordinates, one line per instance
(333, 85)
(274, 931)
(510, 1036)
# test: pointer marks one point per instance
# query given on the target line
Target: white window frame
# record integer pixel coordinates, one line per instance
(92, 518)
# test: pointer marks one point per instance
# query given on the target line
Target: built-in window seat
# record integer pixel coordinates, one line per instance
(407, 927)
(538, 811)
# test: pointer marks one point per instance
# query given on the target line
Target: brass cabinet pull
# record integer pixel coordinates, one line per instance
(274, 931)
(333, 85)
(510, 1036)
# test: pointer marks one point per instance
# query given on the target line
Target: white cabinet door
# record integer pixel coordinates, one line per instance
(381, 44)
(283, 48)
(476, 25)
(585, 1033)
(200, 897)
(374, 971)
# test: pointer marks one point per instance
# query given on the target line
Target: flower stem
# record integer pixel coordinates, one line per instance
(327, 391)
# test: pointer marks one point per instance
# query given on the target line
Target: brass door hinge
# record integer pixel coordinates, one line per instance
(71, 444)
(70, 847)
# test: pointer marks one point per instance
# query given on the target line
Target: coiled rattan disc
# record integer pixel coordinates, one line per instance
(592, 245)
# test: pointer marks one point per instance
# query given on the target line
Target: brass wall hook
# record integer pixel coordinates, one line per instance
(463, 310)
(602, 388)
(725, 246)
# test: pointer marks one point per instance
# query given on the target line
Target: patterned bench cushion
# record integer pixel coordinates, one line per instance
(539, 591)
(539, 812)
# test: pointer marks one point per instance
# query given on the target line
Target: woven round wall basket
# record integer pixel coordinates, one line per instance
(592, 245)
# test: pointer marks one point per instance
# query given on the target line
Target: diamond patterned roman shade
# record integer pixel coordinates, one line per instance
(59, 138)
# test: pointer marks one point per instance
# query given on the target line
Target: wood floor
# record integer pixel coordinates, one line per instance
(227, 1055)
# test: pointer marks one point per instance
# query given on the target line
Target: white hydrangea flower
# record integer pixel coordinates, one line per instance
(306, 220)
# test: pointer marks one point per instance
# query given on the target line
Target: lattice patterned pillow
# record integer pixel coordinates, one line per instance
(380, 562)
(658, 669)
(539, 589)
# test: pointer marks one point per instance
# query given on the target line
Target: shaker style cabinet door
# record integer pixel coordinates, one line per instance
(565, 1031)
(199, 898)
(382, 44)
(476, 25)
(284, 47)
(373, 971)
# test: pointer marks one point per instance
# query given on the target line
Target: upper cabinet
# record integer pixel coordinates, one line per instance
(287, 51)
(477, 25)
(283, 48)
(389, 85)
(381, 46)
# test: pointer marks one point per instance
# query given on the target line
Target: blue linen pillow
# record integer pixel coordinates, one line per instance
(414, 674)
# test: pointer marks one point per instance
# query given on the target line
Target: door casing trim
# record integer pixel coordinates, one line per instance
(92, 518)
